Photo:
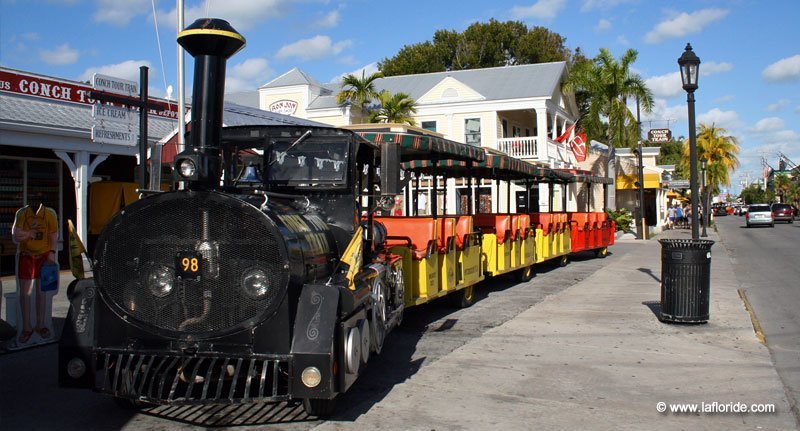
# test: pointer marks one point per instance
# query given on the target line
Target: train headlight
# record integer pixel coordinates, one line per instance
(311, 377)
(255, 283)
(76, 368)
(187, 168)
(160, 280)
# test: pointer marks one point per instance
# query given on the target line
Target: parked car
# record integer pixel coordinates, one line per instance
(759, 214)
(783, 212)
(743, 210)
(719, 211)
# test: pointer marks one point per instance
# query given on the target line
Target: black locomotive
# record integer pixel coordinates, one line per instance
(257, 281)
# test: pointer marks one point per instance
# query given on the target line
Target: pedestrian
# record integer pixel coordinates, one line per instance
(35, 231)
(678, 216)
(671, 217)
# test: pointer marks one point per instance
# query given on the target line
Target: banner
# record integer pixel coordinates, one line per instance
(577, 144)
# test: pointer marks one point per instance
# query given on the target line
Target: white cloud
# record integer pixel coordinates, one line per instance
(667, 86)
(724, 99)
(330, 20)
(603, 25)
(589, 5)
(367, 70)
(775, 107)
(241, 14)
(769, 124)
(683, 24)
(60, 55)
(711, 67)
(126, 70)
(725, 119)
(248, 75)
(786, 69)
(542, 9)
(622, 40)
(663, 113)
(121, 12)
(313, 48)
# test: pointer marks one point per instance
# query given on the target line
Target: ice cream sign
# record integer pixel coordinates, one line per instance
(285, 107)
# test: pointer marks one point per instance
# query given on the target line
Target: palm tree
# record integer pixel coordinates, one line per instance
(359, 91)
(608, 84)
(395, 108)
(782, 185)
(720, 150)
(605, 85)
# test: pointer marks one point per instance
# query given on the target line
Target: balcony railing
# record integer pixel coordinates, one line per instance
(521, 148)
(527, 148)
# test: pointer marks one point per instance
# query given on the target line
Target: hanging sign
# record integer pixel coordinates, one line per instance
(659, 136)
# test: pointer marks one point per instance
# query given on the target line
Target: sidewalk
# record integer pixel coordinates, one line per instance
(596, 357)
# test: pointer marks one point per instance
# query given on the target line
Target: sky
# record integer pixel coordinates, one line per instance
(750, 70)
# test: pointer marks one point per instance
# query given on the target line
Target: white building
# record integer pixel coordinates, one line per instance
(519, 110)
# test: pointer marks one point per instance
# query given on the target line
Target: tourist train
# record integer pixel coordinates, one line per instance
(277, 270)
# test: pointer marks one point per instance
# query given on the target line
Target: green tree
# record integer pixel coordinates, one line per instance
(609, 84)
(395, 108)
(782, 184)
(672, 154)
(481, 45)
(359, 92)
(720, 150)
(754, 194)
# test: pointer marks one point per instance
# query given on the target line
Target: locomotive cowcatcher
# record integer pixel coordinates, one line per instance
(256, 282)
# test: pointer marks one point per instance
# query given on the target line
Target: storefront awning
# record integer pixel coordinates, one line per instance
(627, 182)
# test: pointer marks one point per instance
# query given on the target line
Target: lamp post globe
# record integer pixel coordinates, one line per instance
(689, 65)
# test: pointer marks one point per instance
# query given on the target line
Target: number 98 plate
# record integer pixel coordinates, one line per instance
(188, 265)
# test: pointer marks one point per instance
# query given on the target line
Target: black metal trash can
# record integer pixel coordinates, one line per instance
(685, 280)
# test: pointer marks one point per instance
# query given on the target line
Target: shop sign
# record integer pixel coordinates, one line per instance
(285, 107)
(114, 116)
(114, 136)
(659, 136)
(115, 85)
(677, 184)
(37, 86)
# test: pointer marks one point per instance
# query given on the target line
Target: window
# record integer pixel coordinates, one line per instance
(505, 128)
(472, 131)
(429, 125)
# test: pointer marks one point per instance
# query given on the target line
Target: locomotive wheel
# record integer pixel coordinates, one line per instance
(463, 298)
(601, 252)
(320, 408)
(379, 312)
(562, 261)
(525, 274)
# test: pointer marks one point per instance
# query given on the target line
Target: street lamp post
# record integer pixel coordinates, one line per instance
(690, 70)
(703, 165)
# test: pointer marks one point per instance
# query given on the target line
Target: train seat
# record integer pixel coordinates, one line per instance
(417, 232)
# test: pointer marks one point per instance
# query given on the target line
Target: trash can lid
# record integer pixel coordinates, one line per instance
(686, 244)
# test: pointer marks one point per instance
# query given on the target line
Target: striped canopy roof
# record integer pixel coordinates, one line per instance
(496, 166)
(423, 147)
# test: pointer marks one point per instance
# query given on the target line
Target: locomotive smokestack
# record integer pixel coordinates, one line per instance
(211, 42)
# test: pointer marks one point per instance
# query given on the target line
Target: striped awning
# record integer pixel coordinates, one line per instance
(495, 166)
(422, 147)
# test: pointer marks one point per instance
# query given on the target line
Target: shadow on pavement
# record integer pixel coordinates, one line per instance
(214, 416)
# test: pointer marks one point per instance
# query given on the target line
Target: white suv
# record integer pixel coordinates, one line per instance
(759, 214)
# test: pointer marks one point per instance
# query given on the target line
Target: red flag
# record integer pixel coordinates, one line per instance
(564, 136)
(578, 144)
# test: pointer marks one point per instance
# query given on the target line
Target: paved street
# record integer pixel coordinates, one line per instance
(765, 262)
(575, 348)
